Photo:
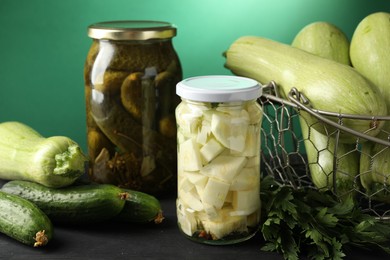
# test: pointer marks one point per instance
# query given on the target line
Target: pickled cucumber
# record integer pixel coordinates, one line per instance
(109, 82)
(130, 103)
(131, 94)
(133, 139)
(97, 141)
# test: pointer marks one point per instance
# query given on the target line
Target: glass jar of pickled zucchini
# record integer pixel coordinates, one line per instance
(130, 75)
(218, 133)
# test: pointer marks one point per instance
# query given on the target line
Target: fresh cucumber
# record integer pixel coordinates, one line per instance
(140, 207)
(24, 221)
(73, 204)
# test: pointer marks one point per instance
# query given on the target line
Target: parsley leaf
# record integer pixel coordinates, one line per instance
(307, 222)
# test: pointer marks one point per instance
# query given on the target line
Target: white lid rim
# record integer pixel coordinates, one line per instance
(247, 89)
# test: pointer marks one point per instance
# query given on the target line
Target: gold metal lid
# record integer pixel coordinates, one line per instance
(131, 30)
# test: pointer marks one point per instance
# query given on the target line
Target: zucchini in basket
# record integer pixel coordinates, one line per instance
(323, 39)
(375, 171)
(329, 85)
(332, 165)
(370, 55)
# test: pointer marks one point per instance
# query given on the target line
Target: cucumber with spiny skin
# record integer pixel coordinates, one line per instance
(89, 202)
(24, 221)
(140, 207)
(73, 204)
(327, 84)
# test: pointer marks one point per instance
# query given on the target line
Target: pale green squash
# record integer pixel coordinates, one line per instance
(329, 85)
(55, 161)
(324, 154)
(370, 55)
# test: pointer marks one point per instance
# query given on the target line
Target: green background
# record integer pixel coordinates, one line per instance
(43, 44)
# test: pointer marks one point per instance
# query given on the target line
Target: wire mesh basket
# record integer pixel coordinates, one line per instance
(301, 152)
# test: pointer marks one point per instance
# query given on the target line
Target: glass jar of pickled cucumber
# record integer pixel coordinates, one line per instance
(130, 75)
(218, 133)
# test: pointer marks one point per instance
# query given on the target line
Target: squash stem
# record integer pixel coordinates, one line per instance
(71, 160)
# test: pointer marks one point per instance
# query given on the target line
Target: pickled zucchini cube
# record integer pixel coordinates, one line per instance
(188, 119)
(189, 154)
(246, 202)
(226, 225)
(230, 130)
(247, 179)
(211, 149)
(191, 199)
(185, 185)
(224, 167)
(211, 211)
(196, 178)
(215, 192)
(186, 219)
(253, 161)
(204, 133)
(252, 142)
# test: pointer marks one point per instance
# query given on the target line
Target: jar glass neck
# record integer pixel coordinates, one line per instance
(151, 41)
(220, 104)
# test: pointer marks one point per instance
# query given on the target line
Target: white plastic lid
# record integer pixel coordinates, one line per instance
(219, 88)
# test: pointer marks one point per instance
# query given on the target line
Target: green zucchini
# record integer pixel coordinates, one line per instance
(370, 55)
(140, 207)
(24, 221)
(328, 41)
(73, 204)
(56, 161)
(328, 85)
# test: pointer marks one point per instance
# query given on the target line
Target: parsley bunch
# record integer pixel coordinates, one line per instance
(307, 222)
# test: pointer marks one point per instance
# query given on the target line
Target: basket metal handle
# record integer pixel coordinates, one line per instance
(301, 102)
